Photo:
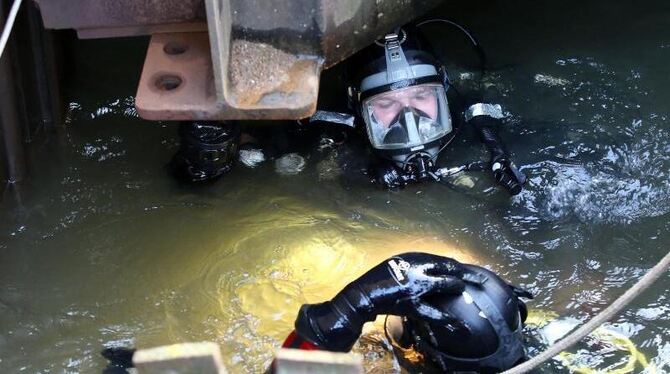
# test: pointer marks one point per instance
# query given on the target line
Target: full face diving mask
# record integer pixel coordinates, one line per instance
(409, 118)
(405, 107)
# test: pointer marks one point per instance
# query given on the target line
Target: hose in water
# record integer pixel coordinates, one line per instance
(602, 317)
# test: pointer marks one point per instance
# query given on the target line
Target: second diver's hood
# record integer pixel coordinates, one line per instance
(494, 316)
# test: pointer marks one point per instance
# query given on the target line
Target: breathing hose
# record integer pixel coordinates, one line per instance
(647, 280)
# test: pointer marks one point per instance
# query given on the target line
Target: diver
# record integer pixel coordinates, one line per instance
(401, 94)
(458, 317)
(209, 149)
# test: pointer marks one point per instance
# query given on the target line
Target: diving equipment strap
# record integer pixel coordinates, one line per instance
(333, 117)
(397, 67)
(483, 109)
(509, 347)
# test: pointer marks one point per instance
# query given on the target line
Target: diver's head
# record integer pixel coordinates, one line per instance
(207, 150)
(399, 89)
(494, 317)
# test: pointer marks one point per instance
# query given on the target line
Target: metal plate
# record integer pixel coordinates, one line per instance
(177, 81)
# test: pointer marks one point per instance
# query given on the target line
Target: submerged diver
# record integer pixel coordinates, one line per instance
(398, 90)
(401, 94)
(458, 317)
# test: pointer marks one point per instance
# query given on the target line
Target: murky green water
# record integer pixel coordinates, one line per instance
(104, 249)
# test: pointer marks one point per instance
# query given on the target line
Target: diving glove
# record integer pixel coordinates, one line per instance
(397, 286)
(486, 118)
(507, 175)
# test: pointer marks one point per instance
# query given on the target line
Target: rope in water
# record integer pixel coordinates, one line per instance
(9, 25)
(602, 317)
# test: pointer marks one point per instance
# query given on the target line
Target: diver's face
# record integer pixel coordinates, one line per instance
(386, 107)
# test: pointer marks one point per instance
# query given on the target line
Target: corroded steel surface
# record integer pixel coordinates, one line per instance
(177, 82)
(261, 76)
(82, 14)
(114, 18)
(349, 25)
(265, 55)
(194, 96)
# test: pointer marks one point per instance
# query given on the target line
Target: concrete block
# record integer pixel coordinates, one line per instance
(296, 361)
(201, 358)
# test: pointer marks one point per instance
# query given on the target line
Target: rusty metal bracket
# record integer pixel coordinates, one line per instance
(177, 81)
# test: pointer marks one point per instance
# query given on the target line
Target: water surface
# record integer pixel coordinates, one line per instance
(101, 248)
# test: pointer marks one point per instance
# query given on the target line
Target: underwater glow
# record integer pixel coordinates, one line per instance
(315, 270)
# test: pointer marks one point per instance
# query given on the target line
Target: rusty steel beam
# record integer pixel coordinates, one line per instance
(113, 18)
(265, 57)
(262, 59)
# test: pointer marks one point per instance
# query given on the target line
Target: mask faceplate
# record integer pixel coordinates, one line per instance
(407, 118)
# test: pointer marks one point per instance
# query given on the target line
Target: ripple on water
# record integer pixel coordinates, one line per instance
(255, 283)
(611, 162)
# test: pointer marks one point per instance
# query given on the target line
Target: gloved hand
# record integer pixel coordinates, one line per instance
(507, 175)
(388, 176)
(486, 118)
(396, 286)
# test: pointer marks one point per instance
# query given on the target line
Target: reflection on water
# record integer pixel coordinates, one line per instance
(292, 255)
(313, 271)
(102, 248)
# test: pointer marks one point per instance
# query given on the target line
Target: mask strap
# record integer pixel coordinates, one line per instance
(397, 67)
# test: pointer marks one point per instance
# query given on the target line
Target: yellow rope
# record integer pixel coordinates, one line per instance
(539, 319)
(642, 284)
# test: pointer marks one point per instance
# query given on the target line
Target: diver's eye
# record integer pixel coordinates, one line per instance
(384, 104)
(423, 95)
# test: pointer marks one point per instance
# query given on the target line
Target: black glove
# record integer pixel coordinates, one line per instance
(485, 120)
(507, 175)
(396, 286)
(388, 176)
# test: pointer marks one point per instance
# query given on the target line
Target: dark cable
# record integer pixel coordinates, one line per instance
(386, 331)
(478, 48)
